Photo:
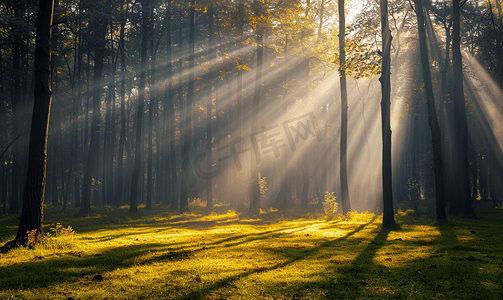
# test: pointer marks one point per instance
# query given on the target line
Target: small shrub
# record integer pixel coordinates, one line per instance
(59, 237)
(330, 206)
(33, 238)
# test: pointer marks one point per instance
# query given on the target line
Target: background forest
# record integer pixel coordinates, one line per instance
(239, 103)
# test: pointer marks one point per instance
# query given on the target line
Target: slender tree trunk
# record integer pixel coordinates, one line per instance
(171, 107)
(133, 205)
(99, 39)
(462, 204)
(120, 161)
(238, 132)
(33, 197)
(254, 175)
(432, 115)
(151, 110)
(388, 213)
(187, 137)
(345, 200)
(209, 134)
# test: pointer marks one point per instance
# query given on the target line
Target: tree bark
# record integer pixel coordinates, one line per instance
(209, 134)
(99, 53)
(171, 106)
(151, 113)
(388, 213)
(120, 161)
(432, 116)
(33, 197)
(345, 200)
(462, 203)
(133, 203)
(187, 136)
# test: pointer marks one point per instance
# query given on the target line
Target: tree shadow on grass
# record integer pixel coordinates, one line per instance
(447, 268)
(352, 279)
(73, 266)
(197, 294)
(44, 272)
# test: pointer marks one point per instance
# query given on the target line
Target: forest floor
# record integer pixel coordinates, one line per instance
(157, 254)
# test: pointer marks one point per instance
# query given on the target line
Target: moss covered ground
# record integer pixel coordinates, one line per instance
(158, 254)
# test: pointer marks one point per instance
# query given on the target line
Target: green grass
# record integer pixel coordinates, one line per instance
(159, 254)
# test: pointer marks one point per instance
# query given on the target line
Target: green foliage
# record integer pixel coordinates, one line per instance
(330, 206)
(59, 237)
(361, 60)
(33, 239)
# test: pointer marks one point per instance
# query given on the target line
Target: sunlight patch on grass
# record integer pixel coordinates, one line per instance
(204, 258)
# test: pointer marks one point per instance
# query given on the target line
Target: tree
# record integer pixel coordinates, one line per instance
(133, 205)
(462, 200)
(99, 26)
(187, 176)
(432, 116)
(122, 93)
(345, 200)
(254, 175)
(388, 214)
(32, 217)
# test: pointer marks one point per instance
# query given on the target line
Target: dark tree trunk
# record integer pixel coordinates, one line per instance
(187, 123)
(209, 134)
(171, 134)
(120, 161)
(33, 197)
(133, 205)
(151, 113)
(432, 116)
(345, 200)
(388, 213)
(462, 202)
(95, 122)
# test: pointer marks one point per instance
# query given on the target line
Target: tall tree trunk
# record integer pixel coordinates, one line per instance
(446, 121)
(151, 109)
(187, 136)
(133, 203)
(432, 115)
(238, 132)
(462, 204)
(122, 93)
(209, 134)
(254, 175)
(99, 51)
(33, 197)
(345, 200)
(171, 138)
(388, 213)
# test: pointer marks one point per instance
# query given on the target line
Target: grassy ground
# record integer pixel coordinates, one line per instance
(273, 255)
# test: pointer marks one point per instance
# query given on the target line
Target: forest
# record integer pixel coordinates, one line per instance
(256, 103)
(249, 108)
